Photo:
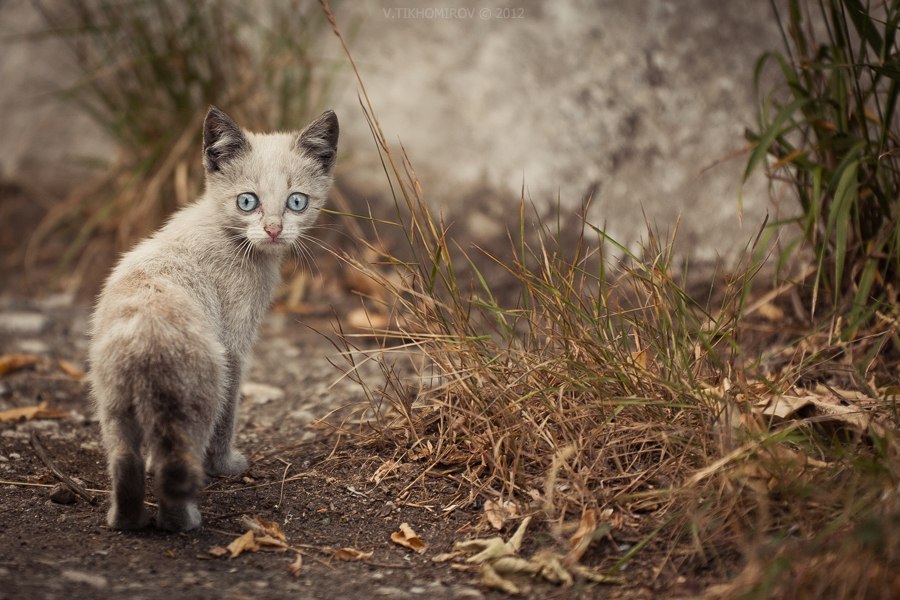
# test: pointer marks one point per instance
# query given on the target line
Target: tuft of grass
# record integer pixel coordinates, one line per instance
(606, 388)
(147, 72)
(829, 130)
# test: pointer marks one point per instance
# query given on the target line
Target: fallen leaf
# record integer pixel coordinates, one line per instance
(510, 565)
(486, 549)
(244, 543)
(597, 577)
(14, 362)
(71, 370)
(498, 512)
(264, 528)
(785, 407)
(351, 554)
(408, 538)
(582, 538)
(268, 542)
(295, 567)
(169, 554)
(28, 413)
(445, 556)
(640, 359)
(384, 470)
(422, 451)
(551, 569)
(218, 551)
(491, 579)
(490, 549)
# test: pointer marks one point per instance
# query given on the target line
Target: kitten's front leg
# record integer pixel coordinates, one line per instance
(221, 457)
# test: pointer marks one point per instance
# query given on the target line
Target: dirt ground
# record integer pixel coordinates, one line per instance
(317, 487)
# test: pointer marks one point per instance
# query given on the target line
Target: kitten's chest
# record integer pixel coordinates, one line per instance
(243, 307)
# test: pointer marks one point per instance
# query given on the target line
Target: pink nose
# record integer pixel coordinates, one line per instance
(273, 231)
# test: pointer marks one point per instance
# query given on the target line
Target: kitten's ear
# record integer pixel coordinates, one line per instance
(319, 140)
(223, 140)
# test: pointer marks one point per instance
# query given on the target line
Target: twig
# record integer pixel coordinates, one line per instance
(41, 453)
(46, 485)
(287, 468)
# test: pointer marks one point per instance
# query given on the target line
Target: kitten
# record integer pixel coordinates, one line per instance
(177, 317)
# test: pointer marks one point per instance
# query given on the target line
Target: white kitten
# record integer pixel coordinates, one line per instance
(178, 315)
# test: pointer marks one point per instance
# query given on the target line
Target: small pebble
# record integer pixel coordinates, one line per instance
(61, 494)
(260, 393)
(95, 581)
(391, 592)
(464, 592)
(31, 346)
(15, 455)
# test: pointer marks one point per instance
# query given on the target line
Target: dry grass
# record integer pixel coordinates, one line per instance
(606, 388)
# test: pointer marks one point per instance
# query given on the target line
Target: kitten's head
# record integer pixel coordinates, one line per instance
(269, 187)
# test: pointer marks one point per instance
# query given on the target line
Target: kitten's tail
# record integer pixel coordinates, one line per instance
(177, 465)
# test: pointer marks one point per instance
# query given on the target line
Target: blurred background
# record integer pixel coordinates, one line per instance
(639, 106)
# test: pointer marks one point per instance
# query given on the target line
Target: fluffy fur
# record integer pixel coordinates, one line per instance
(179, 313)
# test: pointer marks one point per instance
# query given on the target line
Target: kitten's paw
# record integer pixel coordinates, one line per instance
(119, 519)
(178, 517)
(234, 463)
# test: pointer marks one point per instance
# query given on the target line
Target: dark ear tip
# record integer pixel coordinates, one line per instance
(329, 116)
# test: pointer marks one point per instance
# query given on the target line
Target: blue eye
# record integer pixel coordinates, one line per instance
(247, 201)
(297, 202)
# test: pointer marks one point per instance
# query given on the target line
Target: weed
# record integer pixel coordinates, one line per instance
(830, 131)
(606, 388)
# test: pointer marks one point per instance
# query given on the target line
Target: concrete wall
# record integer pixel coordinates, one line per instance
(630, 100)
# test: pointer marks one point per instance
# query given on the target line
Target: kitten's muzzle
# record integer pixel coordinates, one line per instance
(273, 230)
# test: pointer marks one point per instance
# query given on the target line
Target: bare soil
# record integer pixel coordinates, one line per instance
(317, 486)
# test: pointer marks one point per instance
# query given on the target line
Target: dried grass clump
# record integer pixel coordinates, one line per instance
(606, 389)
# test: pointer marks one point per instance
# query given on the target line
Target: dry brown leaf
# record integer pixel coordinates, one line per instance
(71, 370)
(295, 567)
(264, 528)
(267, 542)
(244, 543)
(596, 576)
(786, 407)
(408, 538)
(14, 362)
(583, 537)
(28, 413)
(445, 556)
(421, 451)
(498, 512)
(491, 579)
(640, 358)
(384, 470)
(515, 565)
(218, 551)
(351, 554)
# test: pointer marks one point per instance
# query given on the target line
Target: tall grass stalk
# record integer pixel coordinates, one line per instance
(829, 130)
